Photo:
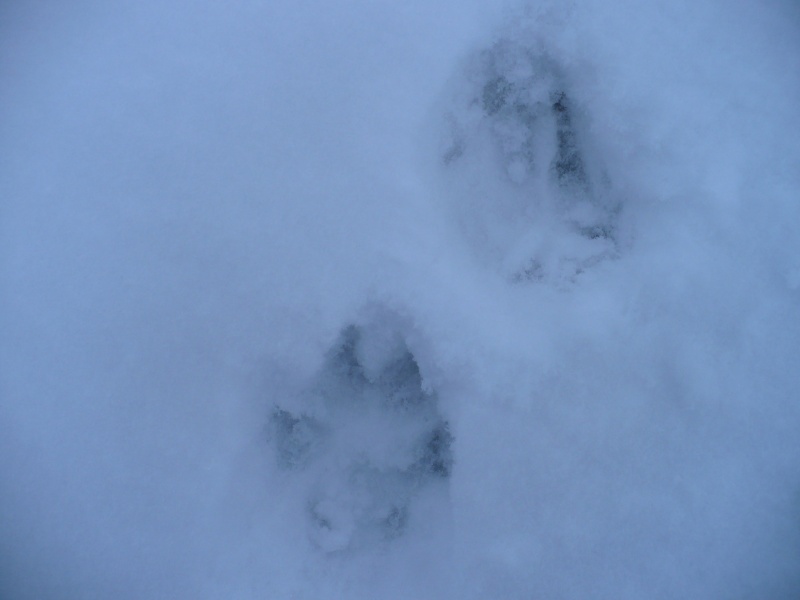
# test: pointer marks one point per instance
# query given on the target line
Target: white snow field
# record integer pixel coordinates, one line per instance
(400, 300)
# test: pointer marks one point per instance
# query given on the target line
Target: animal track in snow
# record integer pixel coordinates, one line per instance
(528, 190)
(368, 439)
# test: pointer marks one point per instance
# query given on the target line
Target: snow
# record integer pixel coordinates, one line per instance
(418, 300)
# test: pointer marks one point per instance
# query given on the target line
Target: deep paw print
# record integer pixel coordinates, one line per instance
(517, 144)
(369, 438)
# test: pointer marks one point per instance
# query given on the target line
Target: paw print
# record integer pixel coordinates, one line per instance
(526, 187)
(369, 438)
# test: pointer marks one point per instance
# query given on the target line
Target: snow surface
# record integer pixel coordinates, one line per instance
(408, 300)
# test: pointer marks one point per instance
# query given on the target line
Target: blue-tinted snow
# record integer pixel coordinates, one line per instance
(418, 300)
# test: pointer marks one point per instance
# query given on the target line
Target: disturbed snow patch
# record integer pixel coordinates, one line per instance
(522, 171)
(364, 441)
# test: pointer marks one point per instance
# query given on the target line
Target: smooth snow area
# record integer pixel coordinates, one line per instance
(400, 300)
